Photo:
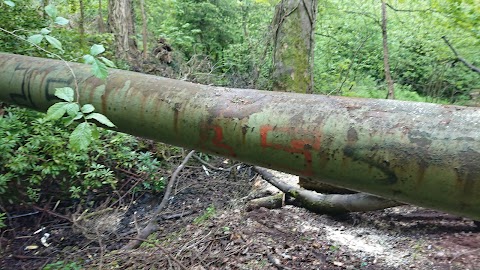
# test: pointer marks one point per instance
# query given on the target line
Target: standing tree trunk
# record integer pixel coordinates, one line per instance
(386, 64)
(293, 31)
(100, 23)
(121, 23)
(81, 23)
(144, 29)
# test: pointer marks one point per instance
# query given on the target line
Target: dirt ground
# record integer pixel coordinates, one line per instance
(206, 227)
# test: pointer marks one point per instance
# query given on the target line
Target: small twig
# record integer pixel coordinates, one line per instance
(24, 215)
(461, 59)
(52, 213)
(171, 183)
(463, 254)
(409, 10)
(152, 225)
(213, 167)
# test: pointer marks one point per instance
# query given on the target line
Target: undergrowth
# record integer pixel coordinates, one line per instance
(37, 163)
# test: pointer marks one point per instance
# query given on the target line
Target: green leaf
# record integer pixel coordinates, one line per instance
(61, 21)
(35, 39)
(56, 111)
(107, 62)
(95, 132)
(72, 109)
(100, 118)
(55, 42)
(89, 59)
(69, 120)
(9, 3)
(65, 93)
(87, 108)
(81, 137)
(51, 11)
(97, 49)
(99, 69)
(45, 31)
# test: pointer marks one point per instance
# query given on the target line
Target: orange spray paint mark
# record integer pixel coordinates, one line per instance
(297, 146)
(217, 140)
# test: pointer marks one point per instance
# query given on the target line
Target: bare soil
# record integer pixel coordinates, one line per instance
(206, 227)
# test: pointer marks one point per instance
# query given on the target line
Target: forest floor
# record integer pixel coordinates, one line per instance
(206, 226)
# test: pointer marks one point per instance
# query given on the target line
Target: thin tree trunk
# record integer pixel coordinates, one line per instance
(81, 23)
(100, 23)
(144, 29)
(386, 64)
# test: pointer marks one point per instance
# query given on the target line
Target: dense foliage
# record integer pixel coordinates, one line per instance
(349, 56)
(36, 157)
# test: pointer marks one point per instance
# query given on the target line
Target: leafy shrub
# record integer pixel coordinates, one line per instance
(36, 161)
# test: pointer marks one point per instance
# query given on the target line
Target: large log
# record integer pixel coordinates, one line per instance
(418, 153)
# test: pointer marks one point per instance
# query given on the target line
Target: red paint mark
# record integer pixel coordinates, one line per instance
(217, 139)
(297, 146)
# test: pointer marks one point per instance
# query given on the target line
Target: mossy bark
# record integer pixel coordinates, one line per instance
(293, 38)
(293, 29)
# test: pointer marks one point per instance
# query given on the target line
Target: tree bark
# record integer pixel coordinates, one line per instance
(122, 24)
(144, 29)
(418, 153)
(81, 23)
(293, 38)
(100, 23)
(316, 202)
(293, 29)
(386, 62)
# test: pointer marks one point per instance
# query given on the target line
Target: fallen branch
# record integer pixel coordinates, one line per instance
(325, 204)
(152, 225)
(461, 59)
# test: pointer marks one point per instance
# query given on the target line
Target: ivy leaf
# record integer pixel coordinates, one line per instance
(57, 110)
(81, 137)
(65, 93)
(107, 62)
(9, 3)
(87, 108)
(61, 21)
(99, 69)
(35, 39)
(89, 59)
(51, 11)
(100, 118)
(55, 42)
(96, 49)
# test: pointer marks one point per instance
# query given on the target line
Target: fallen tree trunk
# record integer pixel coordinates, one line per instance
(418, 153)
